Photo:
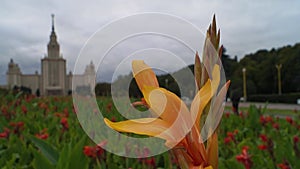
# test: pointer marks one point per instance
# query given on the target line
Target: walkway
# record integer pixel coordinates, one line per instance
(279, 106)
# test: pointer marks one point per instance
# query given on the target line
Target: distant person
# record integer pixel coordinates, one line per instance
(235, 99)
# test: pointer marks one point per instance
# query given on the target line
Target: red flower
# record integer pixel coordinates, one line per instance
(227, 114)
(276, 126)
(262, 147)
(230, 134)
(43, 134)
(24, 109)
(269, 119)
(264, 120)
(113, 119)
(289, 120)
(4, 109)
(5, 133)
(56, 114)
(284, 165)
(94, 151)
(230, 137)
(89, 151)
(236, 131)
(241, 114)
(18, 126)
(99, 149)
(108, 107)
(295, 139)
(150, 161)
(263, 138)
(227, 140)
(43, 105)
(64, 123)
(245, 158)
(66, 112)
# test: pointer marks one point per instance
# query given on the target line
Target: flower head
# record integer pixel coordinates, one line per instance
(245, 158)
(179, 126)
(43, 134)
(295, 139)
(5, 133)
(284, 165)
(289, 120)
(262, 147)
(64, 123)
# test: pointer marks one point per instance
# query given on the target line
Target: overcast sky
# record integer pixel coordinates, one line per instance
(246, 26)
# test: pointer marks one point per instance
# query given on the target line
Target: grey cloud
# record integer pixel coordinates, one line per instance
(245, 26)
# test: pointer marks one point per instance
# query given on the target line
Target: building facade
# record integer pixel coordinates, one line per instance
(53, 79)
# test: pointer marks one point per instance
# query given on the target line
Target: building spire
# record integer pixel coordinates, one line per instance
(53, 46)
(52, 16)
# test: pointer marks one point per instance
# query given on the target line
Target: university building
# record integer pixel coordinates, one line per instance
(53, 79)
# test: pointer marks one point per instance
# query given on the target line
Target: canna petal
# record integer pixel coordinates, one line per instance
(211, 124)
(195, 147)
(145, 126)
(197, 72)
(212, 150)
(143, 75)
(215, 78)
(170, 108)
(200, 101)
(184, 160)
(214, 117)
(166, 104)
(204, 95)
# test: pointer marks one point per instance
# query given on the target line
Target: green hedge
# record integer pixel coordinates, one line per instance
(3, 91)
(275, 98)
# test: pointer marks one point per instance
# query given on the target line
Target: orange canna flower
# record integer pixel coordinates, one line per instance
(180, 127)
(174, 116)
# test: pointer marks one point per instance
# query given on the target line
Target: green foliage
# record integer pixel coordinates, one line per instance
(102, 89)
(248, 127)
(40, 161)
(63, 149)
(262, 73)
(46, 149)
(275, 98)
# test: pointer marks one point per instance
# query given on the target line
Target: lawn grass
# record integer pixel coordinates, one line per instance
(275, 112)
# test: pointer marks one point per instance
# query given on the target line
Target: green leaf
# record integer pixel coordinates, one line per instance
(40, 161)
(64, 156)
(11, 162)
(46, 149)
(77, 158)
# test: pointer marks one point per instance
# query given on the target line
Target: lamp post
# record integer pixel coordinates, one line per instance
(244, 84)
(278, 67)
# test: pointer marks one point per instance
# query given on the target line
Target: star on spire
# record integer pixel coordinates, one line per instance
(52, 16)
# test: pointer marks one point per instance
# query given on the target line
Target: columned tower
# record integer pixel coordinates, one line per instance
(13, 75)
(53, 68)
(53, 46)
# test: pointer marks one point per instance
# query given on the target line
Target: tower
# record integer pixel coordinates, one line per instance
(53, 68)
(13, 75)
(53, 46)
(90, 76)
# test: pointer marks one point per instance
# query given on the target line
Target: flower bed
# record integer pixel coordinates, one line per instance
(45, 133)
